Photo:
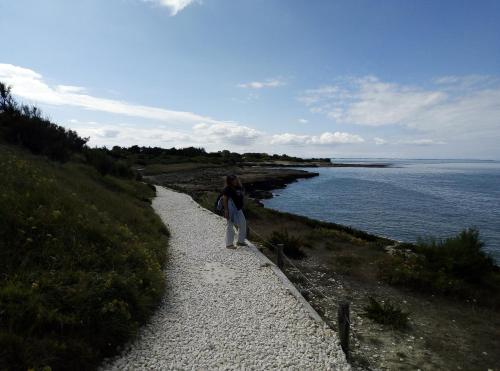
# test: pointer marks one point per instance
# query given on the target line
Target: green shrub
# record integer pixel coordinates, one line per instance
(291, 244)
(101, 160)
(386, 314)
(462, 256)
(81, 259)
(336, 235)
(456, 266)
(24, 125)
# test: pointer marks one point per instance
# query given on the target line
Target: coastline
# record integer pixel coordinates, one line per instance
(313, 164)
(259, 181)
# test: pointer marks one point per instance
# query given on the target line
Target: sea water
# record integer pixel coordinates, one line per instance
(408, 200)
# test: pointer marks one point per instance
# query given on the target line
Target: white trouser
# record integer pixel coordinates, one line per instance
(236, 218)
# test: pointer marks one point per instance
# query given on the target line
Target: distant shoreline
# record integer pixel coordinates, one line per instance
(379, 165)
(316, 164)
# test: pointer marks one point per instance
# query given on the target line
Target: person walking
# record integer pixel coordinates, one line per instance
(233, 204)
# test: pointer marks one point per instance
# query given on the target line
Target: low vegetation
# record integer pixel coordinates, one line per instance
(334, 230)
(339, 235)
(292, 245)
(456, 266)
(386, 313)
(81, 250)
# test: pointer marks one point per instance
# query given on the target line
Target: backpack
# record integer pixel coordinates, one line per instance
(219, 204)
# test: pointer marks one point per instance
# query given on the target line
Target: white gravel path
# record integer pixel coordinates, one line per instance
(223, 308)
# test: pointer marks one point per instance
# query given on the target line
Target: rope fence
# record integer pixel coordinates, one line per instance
(343, 312)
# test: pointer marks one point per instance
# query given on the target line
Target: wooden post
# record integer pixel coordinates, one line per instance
(344, 321)
(279, 255)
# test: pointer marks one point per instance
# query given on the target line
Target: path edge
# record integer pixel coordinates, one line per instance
(289, 286)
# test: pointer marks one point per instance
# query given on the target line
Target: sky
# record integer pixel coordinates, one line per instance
(405, 79)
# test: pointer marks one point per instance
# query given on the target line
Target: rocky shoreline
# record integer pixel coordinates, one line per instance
(259, 179)
(259, 182)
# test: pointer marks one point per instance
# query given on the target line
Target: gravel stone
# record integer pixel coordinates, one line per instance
(223, 309)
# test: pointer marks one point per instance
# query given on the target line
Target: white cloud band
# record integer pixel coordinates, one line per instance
(452, 106)
(174, 6)
(30, 85)
(270, 83)
(326, 138)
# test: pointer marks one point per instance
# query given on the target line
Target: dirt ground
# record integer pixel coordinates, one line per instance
(443, 334)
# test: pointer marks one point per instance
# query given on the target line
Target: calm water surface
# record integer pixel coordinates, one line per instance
(410, 199)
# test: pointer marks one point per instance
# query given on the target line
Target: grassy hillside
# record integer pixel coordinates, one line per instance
(80, 265)
(81, 250)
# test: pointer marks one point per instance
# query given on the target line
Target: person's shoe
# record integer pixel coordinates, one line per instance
(232, 247)
(242, 244)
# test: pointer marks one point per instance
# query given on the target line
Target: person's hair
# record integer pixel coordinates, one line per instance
(229, 180)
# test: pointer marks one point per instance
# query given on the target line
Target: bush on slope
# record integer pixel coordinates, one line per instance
(81, 251)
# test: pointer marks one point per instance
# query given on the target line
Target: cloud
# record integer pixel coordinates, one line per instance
(69, 89)
(30, 85)
(290, 139)
(368, 101)
(320, 95)
(250, 97)
(465, 82)
(473, 113)
(269, 83)
(336, 138)
(174, 6)
(452, 105)
(226, 132)
(110, 133)
(422, 142)
(417, 142)
(454, 108)
(379, 141)
(326, 138)
(101, 134)
(203, 135)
